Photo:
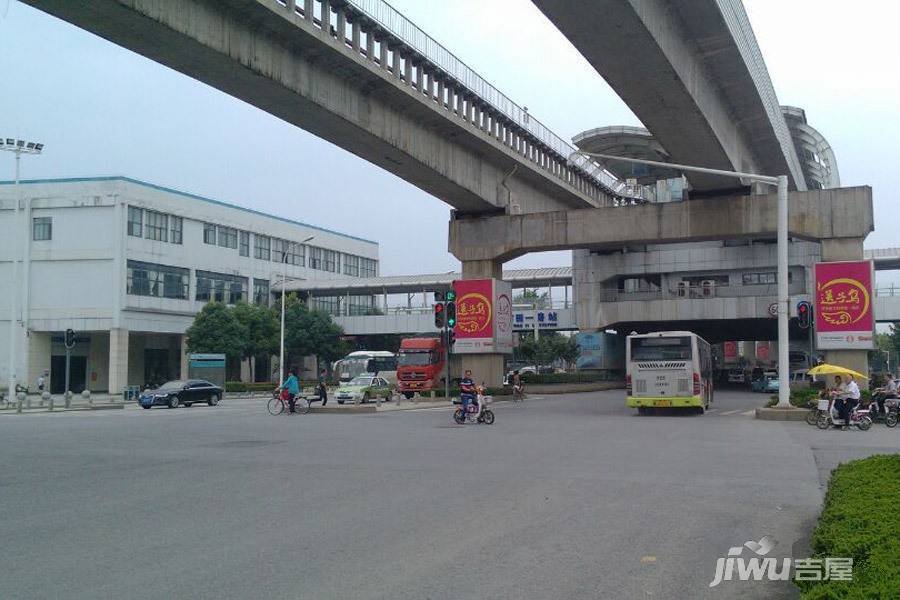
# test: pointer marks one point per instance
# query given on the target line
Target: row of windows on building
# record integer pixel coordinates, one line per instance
(284, 251)
(163, 281)
(162, 227)
(652, 283)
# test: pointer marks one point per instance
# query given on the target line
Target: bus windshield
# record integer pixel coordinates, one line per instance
(416, 359)
(661, 348)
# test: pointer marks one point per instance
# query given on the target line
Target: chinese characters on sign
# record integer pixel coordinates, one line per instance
(545, 319)
(843, 306)
(483, 316)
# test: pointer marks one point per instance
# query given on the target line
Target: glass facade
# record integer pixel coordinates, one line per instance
(228, 237)
(244, 246)
(351, 265)
(368, 267)
(160, 281)
(221, 287)
(209, 234)
(175, 228)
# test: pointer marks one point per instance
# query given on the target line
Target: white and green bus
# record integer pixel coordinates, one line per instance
(668, 369)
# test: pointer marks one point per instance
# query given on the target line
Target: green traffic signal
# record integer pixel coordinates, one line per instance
(451, 313)
(450, 296)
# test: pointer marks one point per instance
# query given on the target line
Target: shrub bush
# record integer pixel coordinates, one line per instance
(243, 386)
(858, 521)
(578, 377)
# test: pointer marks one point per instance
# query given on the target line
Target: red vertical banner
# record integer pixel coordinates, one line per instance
(730, 351)
(474, 316)
(843, 306)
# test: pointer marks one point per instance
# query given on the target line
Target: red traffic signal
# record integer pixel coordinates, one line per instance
(439, 315)
(804, 314)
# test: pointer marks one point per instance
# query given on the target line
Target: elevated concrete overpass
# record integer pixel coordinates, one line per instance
(693, 74)
(358, 74)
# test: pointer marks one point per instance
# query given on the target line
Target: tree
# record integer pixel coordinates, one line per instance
(533, 297)
(311, 332)
(216, 330)
(567, 349)
(262, 329)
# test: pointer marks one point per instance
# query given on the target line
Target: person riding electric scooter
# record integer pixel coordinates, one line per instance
(467, 391)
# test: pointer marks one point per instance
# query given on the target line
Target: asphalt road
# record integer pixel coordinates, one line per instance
(563, 497)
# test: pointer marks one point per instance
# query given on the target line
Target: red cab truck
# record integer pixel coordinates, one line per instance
(420, 366)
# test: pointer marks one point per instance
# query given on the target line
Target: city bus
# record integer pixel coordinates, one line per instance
(367, 362)
(670, 369)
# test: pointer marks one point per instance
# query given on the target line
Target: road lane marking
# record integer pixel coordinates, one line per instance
(749, 413)
(730, 412)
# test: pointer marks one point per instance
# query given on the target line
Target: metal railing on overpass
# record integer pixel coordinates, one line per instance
(417, 43)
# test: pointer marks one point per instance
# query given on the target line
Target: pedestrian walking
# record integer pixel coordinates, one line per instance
(321, 388)
(40, 383)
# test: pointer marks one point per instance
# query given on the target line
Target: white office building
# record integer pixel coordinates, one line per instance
(127, 265)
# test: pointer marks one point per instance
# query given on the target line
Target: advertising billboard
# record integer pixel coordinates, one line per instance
(843, 306)
(483, 316)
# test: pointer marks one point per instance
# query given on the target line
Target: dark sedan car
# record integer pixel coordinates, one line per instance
(185, 392)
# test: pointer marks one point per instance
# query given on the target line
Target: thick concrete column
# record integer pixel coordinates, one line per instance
(835, 250)
(370, 45)
(118, 360)
(354, 34)
(487, 368)
(341, 26)
(308, 10)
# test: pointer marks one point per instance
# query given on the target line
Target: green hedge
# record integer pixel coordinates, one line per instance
(859, 520)
(579, 377)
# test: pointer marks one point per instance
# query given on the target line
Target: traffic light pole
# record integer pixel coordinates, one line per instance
(446, 342)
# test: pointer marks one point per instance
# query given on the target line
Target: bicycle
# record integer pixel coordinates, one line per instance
(278, 405)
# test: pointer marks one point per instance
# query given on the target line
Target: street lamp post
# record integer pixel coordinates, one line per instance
(781, 184)
(283, 280)
(18, 147)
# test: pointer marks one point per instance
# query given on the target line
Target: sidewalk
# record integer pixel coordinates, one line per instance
(33, 404)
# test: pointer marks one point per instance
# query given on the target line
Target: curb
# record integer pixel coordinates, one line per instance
(781, 414)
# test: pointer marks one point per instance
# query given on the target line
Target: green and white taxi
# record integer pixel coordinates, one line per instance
(363, 388)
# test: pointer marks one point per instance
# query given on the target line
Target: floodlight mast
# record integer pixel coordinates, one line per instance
(18, 147)
(781, 183)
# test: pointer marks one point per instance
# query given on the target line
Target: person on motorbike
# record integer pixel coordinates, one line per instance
(518, 386)
(851, 401)
(292, 385)
(838, 394)
(888, 391)
(467, 391)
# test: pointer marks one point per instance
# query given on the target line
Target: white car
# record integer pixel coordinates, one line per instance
(736, 376)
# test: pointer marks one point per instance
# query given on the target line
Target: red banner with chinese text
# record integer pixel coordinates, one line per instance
(474, 308)
(843, 305)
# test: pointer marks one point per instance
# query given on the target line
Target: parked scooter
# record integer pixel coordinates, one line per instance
(889, 415)
(477, 411)
(858, 416)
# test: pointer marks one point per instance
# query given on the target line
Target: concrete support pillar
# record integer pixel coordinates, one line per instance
(342, 26)
(290, 5)
(354, 35)
(487, 368)
(118, 360)
(395, 62)
(384, 54)
(419, 76)
(407, 70)
(440, 92)
(370, 45)
(835, 250)
(456, 101)
(326, 17)
(308, 10)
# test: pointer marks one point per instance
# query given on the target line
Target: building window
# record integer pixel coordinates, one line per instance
(298, 254)
(368, 267)
(330, 260)
(351, 265)
(261, 291)
(135, 221)
(262, 247)
(278, 250)
(221, 287)
(244, 247)
(362, 305)
(764, 278)
(175, 226)
(227, 237)
(647, 283)
(42, 229)
(160, 281)
(209, 234)
(157, 226)
(329, 304)
(315, 258)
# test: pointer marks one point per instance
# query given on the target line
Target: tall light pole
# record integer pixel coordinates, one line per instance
(18, 147)
(781, 184)
(283, 280)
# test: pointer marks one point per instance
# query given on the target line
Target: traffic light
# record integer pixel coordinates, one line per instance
(70, 338)
(804, 314)
(451, 296)
(451, 337)
(451, 313)
(438, 297)
(439, 314)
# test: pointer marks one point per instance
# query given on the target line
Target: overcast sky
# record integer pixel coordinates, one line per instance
(102, 110)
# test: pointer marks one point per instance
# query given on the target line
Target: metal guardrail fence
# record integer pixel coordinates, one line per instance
(391, 21)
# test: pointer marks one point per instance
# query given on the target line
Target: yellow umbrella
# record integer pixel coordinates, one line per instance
(826, 369)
